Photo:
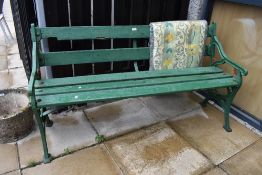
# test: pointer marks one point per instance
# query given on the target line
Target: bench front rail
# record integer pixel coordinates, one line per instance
(92, 88)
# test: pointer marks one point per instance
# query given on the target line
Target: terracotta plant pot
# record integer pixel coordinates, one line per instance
(16, 117)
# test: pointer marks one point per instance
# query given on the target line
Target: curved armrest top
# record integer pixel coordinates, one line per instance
(227, 59)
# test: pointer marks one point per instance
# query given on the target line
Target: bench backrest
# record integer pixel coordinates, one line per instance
(91, 32)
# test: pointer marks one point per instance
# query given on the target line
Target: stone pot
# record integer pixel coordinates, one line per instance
(16, 116)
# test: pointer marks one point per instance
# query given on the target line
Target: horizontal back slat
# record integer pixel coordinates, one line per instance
(94, 32)
(94, 56)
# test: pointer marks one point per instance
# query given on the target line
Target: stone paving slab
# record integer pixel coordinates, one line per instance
(216, 171)
(90, 161)
(120, 117)
(12, 28)
(14, 78)
(171, 105)
(14, 61)
(18, 78)
(13, 49)
(2, 40)
(30, 149)
(4, 80)
(14, 173)
(203, 129)
(8, 158)
(156, 150)
(7, 11)
(71, 131)
(3, 62)
(9, 19)
(2, 49)
(248, 161)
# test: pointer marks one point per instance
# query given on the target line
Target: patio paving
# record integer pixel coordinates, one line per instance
(84, 162)
(30, 149)
(3, 48)
(3, 62)
(157, 150)
(8, 158)
(171, 105)
(13, 78)
(196, 137)
(13, 49)
(18, 78)
(79, 132)
(14, 61)
(4, 80)
(14, 173)
(120, 117)
(216, 171)
(71, 131)
(203, 129)
(249, 161)
(12, 72)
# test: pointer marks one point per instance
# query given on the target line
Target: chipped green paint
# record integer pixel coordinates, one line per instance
(94, 56)
(55, 82)
(126, 84)
(94, 32)
(130, 92)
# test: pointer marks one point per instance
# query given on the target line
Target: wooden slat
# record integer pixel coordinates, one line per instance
(94, 32)
(128, 83)
(94, 56)
(125, 76)
(112, 94)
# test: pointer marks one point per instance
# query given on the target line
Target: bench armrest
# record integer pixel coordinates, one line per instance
(224, 58)
(31, 90)
(227, 59)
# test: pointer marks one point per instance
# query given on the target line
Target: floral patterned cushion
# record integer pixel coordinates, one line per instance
(177, 44)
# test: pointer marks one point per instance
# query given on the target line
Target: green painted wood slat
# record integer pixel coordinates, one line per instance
(112, 94)
(94, 56)
(94, 32)
(128, 84)
(125, 76)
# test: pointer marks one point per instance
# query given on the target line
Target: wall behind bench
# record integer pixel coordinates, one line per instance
(106, 12)
(240, 31)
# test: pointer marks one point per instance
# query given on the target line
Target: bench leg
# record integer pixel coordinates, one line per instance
(204, 102)
(224, 101)
(45, 118)
(41, 125)
(48, 122)
(226, 119)
(227, 104)
(207, 98)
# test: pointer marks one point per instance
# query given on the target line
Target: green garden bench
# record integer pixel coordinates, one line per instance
(93, 88)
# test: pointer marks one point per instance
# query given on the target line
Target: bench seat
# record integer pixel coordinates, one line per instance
(93, 88)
